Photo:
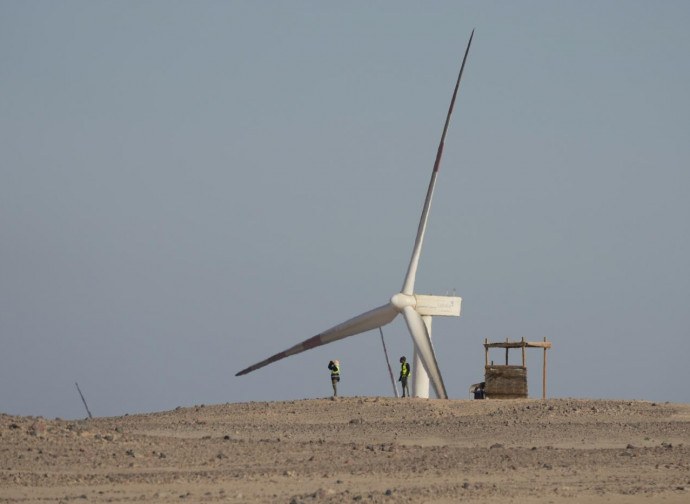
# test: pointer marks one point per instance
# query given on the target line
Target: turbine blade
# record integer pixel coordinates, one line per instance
(366, 321)
(408, 284)
(422, 342)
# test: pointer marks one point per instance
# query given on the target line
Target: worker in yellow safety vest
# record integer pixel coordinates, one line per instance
(404, 375)
(334, 366)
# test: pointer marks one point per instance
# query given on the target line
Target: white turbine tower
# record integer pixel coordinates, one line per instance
(416, 309)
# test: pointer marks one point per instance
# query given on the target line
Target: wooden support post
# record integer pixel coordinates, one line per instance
(543, 378)
(507, 341)
(523, 351)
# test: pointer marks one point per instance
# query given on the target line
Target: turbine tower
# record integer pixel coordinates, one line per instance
(416, 309)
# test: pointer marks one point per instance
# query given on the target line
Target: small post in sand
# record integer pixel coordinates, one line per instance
(83, 400)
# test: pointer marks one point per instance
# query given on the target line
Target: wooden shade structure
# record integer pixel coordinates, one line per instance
(507, 380)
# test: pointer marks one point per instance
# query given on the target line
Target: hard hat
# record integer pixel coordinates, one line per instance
(336, 362)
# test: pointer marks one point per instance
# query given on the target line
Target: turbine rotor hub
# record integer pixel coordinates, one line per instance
(400, 301)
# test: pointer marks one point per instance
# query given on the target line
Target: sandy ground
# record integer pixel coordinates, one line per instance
(356, 449)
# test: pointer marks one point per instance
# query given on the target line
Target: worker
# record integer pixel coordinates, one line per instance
(479, 392)
(334, 366)
(404, 375)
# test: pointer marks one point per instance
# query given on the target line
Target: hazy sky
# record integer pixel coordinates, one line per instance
(189, 187)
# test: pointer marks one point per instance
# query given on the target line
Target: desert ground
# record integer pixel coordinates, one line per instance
(356, 449)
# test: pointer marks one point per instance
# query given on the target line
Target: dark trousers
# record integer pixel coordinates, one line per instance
(403, 380)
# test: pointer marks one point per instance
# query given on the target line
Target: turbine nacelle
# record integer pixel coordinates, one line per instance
(438, 306)
(435, 306)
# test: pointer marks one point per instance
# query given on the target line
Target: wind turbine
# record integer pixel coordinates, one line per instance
(416, 309)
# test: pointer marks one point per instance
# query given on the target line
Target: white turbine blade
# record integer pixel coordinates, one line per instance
(408, 285)
(366, 321)
(426, 351)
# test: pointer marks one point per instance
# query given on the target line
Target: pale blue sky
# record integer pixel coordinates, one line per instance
(189, 187)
